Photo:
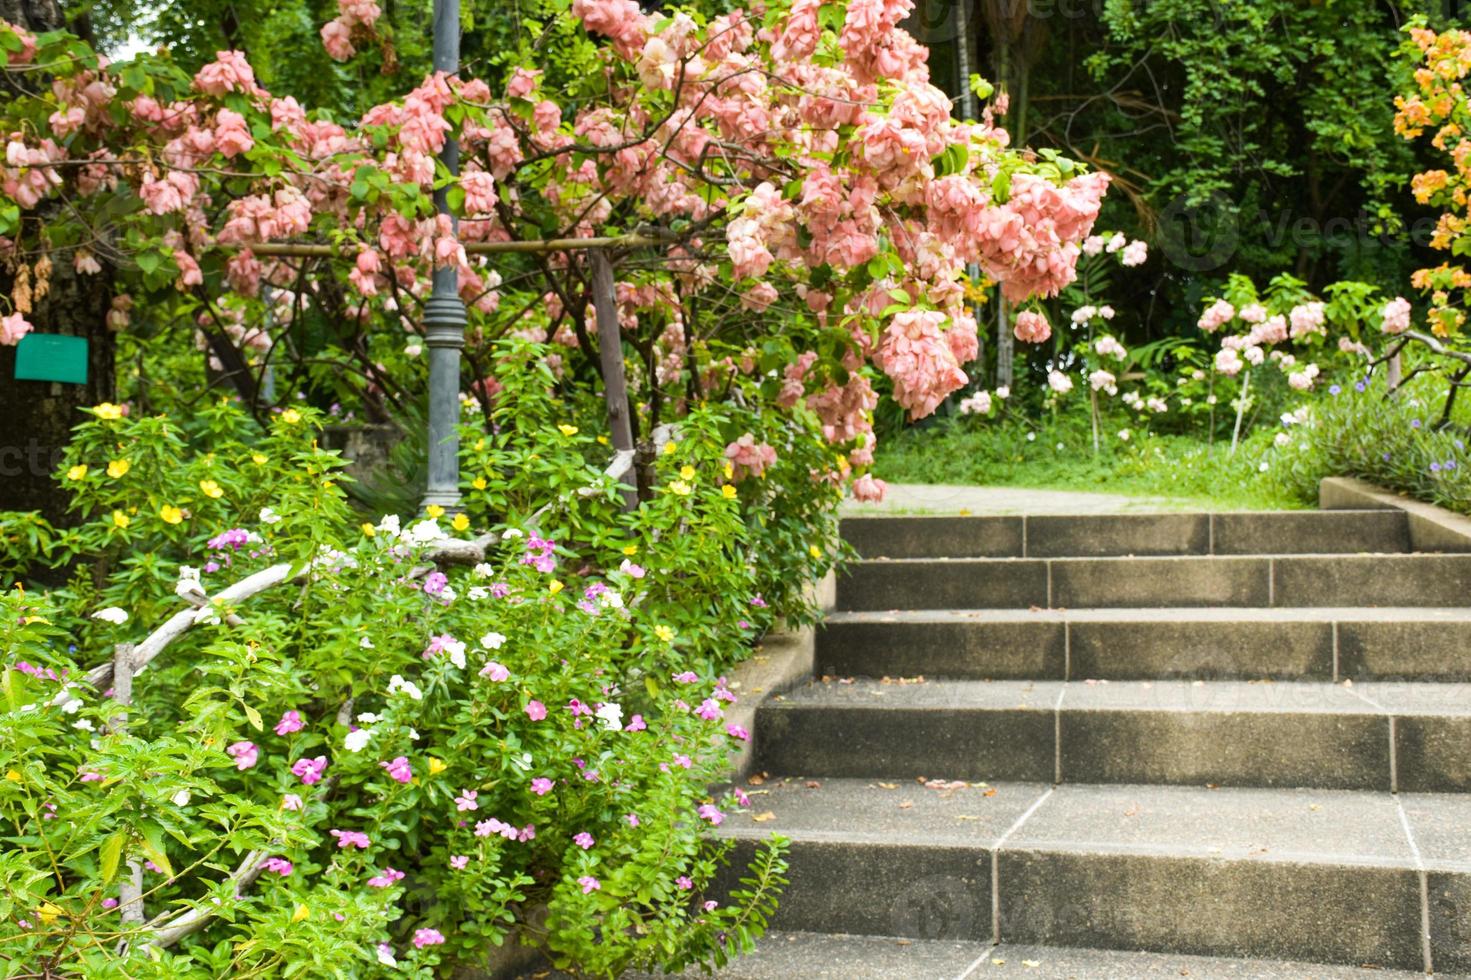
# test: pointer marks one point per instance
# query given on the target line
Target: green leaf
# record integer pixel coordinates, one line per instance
(111, 853)
(153, 847)
(253, 716)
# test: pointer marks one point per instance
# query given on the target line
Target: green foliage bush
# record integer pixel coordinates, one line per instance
(1394, 440)
(588, 649)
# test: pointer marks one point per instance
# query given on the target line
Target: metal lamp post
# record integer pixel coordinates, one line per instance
(444, 313)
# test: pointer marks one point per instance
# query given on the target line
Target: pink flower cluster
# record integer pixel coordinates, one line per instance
(915, 355)
(749, 457)
(337, 32)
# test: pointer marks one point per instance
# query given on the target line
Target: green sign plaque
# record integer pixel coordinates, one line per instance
(51, 357)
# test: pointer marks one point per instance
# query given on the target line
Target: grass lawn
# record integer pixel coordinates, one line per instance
(1059, 456)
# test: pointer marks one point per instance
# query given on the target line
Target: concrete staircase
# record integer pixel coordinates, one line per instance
(1167, 736)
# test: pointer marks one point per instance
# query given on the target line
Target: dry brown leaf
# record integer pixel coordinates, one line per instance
(763, 817)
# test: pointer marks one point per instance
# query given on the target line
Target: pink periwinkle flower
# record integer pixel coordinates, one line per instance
(458, 861)
(279, 866)
(589, 884)
(578, 708)
(385, 880)
(541, 786)
(635, 724)
(583, 840)
(466, 801)
(536, 711)
(245, 754)
(632, 819)
(495, 671)
(686, 677)
(428, 937)
(290, 722)
(709, 710)
(737, 732)
(399, 769)
(310, 770)
(708, 811)
(684, 883)
(351, 838)
(291, 802)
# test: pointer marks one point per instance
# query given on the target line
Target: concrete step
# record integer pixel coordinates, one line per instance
(1391, 736)
(1101, 535)
(1076, 583)
(1359, 879)
(823, 956)
(1422, 644)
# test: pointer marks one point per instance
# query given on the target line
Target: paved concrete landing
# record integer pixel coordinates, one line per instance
(940, 498)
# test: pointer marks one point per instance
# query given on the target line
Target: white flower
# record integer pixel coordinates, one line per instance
(365, 643)
(446, 595)
(477, 592)
(181, 798)
(1281, 439)
(510, 534)
(85, 724)
(367, 718)
(612, 599)
(492, 641)
(1106, 312)
(611, 716)
(385, 955)
(356, 740)
(112, 614)
(73, 706)
(1264, 467)
(456, 651)
(1123, 435)
(413, 350)
(206, 614)
(1059, 382)
(1003, 392)
(389, 525)
(188, 583)
(483, 570)
(413, 734)
(397, 683)
(426, 531)
(269, 516)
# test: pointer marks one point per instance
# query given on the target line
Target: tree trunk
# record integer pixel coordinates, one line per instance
(36, 416)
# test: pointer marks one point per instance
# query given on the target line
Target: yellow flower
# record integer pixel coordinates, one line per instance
(259, 459)
(460, 523)
(119, 519)
(729, 471)
(814, 551)
(664, 633)
(728, 492)
(630, 550)
(14, 775)
(669, 448)
(118, 468)
(47, 913)
(555, 587)
(436, 766)
(211, 489)
(301, 914)
(328, 484)
(567, 430)
(602, 440)
(77, 472)
(434, 511)
(686, 472)
(680, 488)
(107, 410)
(369, 529)
(171, 514)
(479, 483)
(291, 416)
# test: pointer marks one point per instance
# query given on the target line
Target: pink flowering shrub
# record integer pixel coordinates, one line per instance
(840, 236)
